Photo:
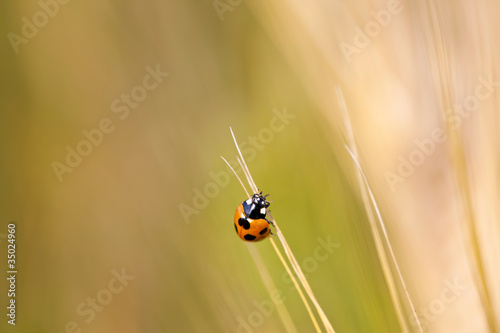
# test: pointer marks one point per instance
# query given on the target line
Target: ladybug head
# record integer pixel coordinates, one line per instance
(256, 207)
(260, 201)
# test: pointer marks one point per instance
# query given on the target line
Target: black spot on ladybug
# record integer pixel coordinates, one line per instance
(249, 237)
(244, 223)
(263, 231)
(236, 229)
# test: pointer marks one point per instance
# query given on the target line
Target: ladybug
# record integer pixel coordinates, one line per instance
(250, 220)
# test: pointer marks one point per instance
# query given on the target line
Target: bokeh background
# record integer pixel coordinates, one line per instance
(153, 202)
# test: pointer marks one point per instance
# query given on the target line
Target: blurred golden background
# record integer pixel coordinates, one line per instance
(114, 115)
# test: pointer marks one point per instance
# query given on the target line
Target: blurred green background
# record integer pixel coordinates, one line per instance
(132, 206)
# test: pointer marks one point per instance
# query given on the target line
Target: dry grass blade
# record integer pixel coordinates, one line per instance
(302, 278)
(244, 165)
(264, 274)
(285, 317)
(244, 188)
(296, 267)
(461, 183)
(268, 282)
(370, 202)
(299, 290)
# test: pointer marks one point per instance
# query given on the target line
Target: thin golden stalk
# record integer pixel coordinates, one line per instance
(244, 188)
(367, 197)
(286, 247)
(244, 165)
(249, 178)
(268, 282)
(299, 290)
(283, 312)
(461, 182)
(301, 276)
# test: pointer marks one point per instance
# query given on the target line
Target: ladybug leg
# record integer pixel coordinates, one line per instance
(271, 223)
(270, 230)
